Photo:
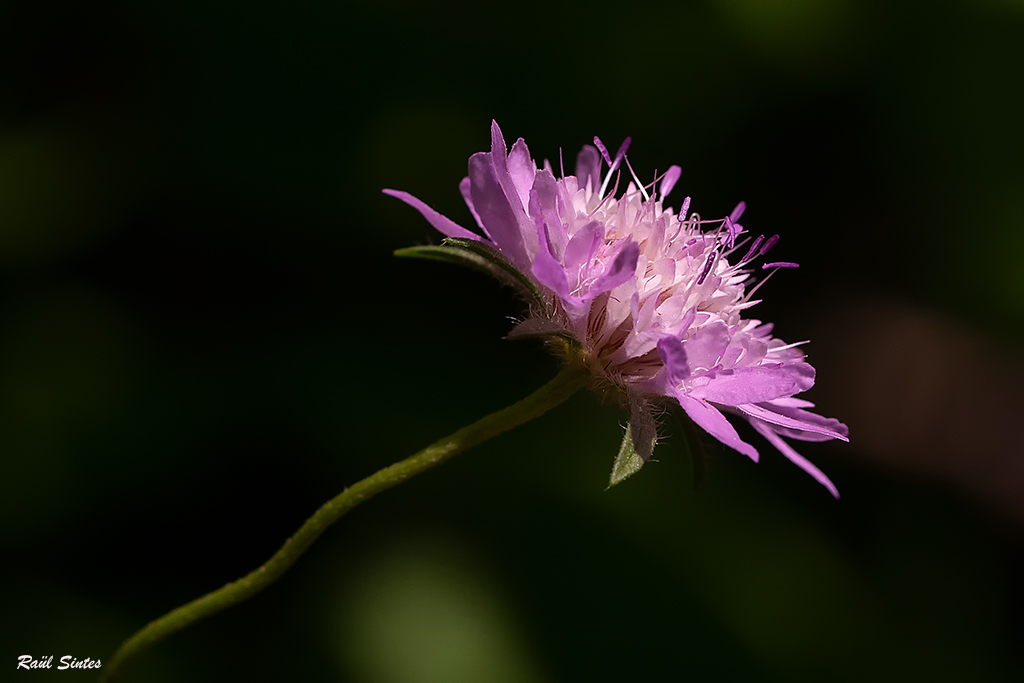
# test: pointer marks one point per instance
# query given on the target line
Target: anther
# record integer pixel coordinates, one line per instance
(707, 267)
(768, 245)
(752, 252)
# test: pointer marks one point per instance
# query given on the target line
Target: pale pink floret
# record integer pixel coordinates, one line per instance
(650, 295)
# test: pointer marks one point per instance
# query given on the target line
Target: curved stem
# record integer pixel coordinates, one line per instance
(564, 385)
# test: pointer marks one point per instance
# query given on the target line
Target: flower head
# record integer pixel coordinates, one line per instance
(653, 299)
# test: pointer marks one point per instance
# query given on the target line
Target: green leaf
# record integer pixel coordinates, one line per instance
(628, 462)
(478, 256)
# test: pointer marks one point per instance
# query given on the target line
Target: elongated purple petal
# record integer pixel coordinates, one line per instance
(490, 202)
(797, 459)
(500, 162)
(789, 403)
(755, 384)
(521, 169)
(821, 425)
(714, 423)
(791, 407)
(441, 223)
(543, 208)
(550, 273)
(673, 355)
(467, 197)
(622, 269)
(580, 249)
(499, 152)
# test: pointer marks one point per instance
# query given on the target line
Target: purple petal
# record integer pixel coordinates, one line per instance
(815, 424)
(492, 204)
(544, 206)
(673, 355)
(623, 268)
(790, 403)
(516, 204)
(441, 223)
(464, 190)
(705, 347)
(791, 407)
(547, 191)
(755, 384)
(499, 153)
(588, 167)
(799, 460)
(499, 158)
(543, 234)
(670, 179)
(521, 170)
(550, 273)
(579, 252)
(714, 423)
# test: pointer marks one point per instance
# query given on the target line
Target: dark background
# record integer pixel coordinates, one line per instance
(204, 336)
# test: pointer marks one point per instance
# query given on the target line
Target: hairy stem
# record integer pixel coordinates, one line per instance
(564, 385)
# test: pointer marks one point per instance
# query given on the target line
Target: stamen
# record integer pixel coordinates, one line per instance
(622, 149)
(707, 267)
(669, 180)
(615, 164)
(768, 245)
(775, 268)
(603, 150)
(561, 165)
(734, 248)
(789, 346)
(732, 231)
(605, 197)
(684, 208)
(737, 212)
(647, 197)
(758, 286)
(753, 248)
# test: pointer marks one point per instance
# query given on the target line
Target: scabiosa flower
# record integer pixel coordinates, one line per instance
(652, 299)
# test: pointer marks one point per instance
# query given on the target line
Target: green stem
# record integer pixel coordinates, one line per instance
(564, 385)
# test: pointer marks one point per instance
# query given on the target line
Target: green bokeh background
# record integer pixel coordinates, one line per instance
(204, 336)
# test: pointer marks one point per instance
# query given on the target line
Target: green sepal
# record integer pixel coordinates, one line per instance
(628, 462)
(478, 256)
(538, 328)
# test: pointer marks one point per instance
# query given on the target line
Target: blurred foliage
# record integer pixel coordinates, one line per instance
(203, 336)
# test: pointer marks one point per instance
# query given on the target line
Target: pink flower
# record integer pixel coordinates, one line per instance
(650, 296)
